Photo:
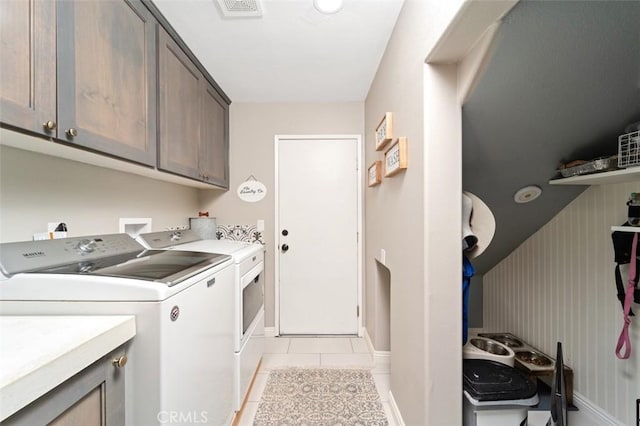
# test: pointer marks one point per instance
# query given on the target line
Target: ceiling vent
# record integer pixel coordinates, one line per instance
(240, 8)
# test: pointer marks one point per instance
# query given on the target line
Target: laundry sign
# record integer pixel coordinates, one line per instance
(252, 190)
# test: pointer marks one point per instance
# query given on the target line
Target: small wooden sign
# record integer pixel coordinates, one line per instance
(375, 173)
(384, 131)
(395, 159)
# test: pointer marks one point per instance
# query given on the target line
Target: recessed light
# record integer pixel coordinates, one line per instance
(527, 194)
(327, 6)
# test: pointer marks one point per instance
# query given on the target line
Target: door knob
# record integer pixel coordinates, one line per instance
(285, 247)
(72, 133)
(285, 232)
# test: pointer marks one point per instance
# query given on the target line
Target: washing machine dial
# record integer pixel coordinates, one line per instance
(87, 246)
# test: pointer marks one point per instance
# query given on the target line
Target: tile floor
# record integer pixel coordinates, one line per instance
(314, 352)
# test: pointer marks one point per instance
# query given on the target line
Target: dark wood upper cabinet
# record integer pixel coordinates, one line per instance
(180, 83)
(107, 78)
(92, 74)
(28, 65)
(214, 157)
(193, 119)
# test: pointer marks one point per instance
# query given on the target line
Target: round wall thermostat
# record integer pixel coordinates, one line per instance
(527, 194)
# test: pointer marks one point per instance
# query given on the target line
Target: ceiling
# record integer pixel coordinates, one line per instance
(562, 83)
(293, 53)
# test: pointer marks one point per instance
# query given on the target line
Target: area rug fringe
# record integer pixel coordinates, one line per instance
(320, 397)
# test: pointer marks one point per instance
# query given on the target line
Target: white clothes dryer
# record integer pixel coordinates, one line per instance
(248, 296)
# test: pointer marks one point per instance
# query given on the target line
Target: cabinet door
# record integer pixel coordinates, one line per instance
(93, 397)
(28, 65)
(107, 78)
(180, 85)
(214, 149)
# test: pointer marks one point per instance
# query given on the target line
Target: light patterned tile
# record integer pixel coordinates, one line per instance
(346, 360)
(248, 413)
(383, 384)
(323, 345)
(271, 361)
(276, 345)
(359, 345)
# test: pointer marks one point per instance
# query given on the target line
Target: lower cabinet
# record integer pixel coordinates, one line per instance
(95, 396)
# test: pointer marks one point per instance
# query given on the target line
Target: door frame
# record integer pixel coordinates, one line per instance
(360, 213)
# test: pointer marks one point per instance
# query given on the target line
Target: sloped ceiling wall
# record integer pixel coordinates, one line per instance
(562, 83)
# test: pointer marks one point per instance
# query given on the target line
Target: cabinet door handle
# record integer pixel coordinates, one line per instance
(49, 125)
(72, 133)
(120, 361)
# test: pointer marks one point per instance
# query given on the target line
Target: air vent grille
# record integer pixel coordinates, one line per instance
(240, 8)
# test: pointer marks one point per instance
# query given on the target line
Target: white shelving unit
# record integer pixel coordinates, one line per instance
(630, 174)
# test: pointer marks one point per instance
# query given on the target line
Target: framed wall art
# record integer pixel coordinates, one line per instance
(375, 173)
(384, 131)
(395, 159)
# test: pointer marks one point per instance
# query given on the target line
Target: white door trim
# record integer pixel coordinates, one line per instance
(276, 238)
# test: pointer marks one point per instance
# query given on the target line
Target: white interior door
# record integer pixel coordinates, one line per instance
(318, 236)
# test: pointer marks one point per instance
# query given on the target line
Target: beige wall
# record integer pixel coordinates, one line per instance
(559, 286)
(253, 127)
(403, 217)
(36, 189)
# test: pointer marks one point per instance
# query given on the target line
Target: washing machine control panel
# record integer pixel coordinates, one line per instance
(30, 256)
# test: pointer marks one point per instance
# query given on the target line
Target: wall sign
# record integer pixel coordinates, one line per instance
(395, 159)
(375, 173)
(252, 190)
(384, 131)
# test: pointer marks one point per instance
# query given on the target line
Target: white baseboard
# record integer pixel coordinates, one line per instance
(395, 411)
(590, 414)
(381, 359)
(269, 332)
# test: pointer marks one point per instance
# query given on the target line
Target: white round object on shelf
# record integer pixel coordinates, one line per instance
(527, 194)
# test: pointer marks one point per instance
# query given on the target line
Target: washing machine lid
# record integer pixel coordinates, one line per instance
(162, 266)
(486, 380)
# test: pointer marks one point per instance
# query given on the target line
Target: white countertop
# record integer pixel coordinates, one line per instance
(37, 353)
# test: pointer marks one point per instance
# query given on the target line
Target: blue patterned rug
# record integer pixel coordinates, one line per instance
(320, 397)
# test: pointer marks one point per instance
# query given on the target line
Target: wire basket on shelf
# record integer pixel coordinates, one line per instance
(629, 149)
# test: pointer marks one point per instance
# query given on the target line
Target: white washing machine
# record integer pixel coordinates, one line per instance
(248, 297)
(181, 359)
(483, 348)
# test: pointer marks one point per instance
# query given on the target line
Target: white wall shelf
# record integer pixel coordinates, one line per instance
(617, 176)
(626, 228)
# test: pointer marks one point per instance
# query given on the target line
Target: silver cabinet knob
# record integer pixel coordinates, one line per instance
(72, 133)
(120, 361)
(49, 125)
